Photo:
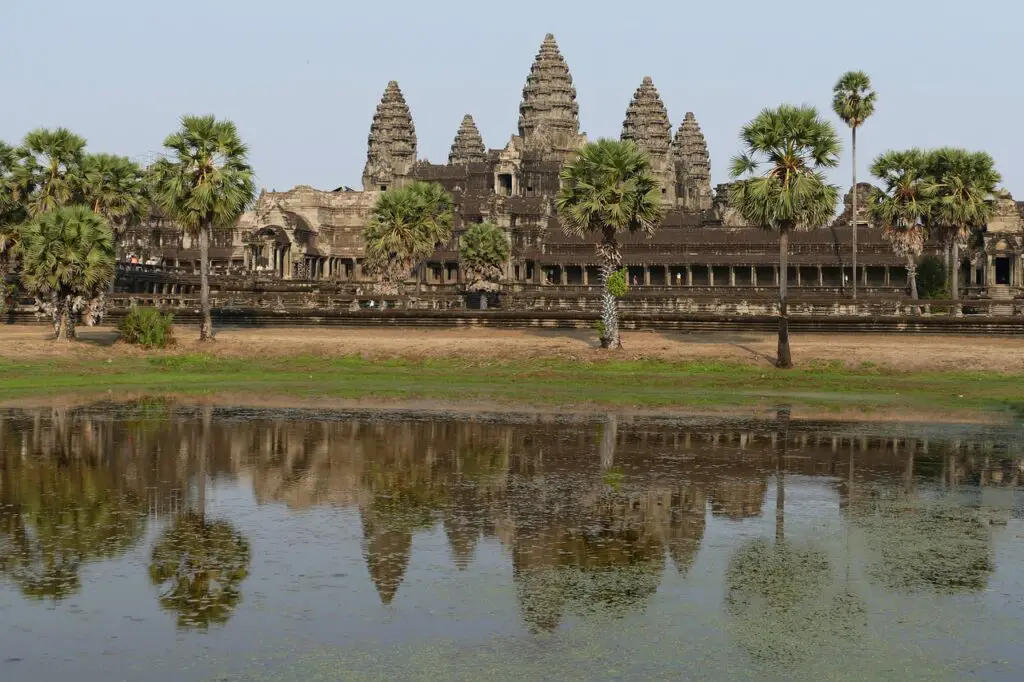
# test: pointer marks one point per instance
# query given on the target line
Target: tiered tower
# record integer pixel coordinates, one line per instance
(693, 166)
(549, 117)
(647, 124)
(391, 146)
(468, 146)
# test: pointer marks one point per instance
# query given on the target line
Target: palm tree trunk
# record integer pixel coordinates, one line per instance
(206, 327)
(609, 309)
(954, 280)
(784, 359)
(611, 261)
(69, 325)
(853, 219)
(912, 281)
(61, 315)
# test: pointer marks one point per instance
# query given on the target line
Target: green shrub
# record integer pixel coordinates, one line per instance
(931, 278)
(618, 283)
(148, 327)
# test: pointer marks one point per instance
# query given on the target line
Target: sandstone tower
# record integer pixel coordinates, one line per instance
(693, 166)
(647, 124)
(549, 116)
(391, 146)
(468, 146)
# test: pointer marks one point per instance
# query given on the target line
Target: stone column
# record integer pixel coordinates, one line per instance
(711, 276)
(732, 276)
(799, 281)
(886, 275)
(563, 275)
(775, 274)
(586, 276)
(864, 275)
(753, 275)
(647, 276)
(689, 276)
(821, 277)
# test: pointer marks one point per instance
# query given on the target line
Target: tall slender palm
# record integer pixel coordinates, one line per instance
(607, 189)
(12, 214)
(904, 203)
(204, 184)
(115, 187)
(853, 100)
(965, 182)
(405, 227)
(67, 256)
(49, 174)
(794, 144)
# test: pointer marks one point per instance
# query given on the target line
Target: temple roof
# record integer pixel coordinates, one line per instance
(391, 145)
(647, 123)
(468, 146)
(691, 149)
(549, 111)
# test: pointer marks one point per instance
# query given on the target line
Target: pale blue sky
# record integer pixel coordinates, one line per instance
(301, 78)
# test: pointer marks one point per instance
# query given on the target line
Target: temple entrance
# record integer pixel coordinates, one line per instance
(1002, 270)
(268, 251)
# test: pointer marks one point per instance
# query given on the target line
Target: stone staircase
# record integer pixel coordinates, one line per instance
(1001, 292)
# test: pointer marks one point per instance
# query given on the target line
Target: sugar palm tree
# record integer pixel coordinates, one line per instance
(12, 214)
(904, 203)
(406, 226)
(115, 187)
(965, 184)
(67, 259)
(794, 145)
(483, 250)
(608, 189)
(853, 100)
(49, 174)
(204, 185)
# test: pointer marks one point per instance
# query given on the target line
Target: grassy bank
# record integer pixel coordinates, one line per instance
(562, 383)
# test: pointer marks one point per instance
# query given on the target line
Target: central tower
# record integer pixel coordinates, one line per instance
(549, 117)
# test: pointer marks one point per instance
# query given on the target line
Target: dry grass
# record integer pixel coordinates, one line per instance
(882, 351)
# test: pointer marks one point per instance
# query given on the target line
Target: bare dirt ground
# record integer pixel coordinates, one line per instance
(907, 353)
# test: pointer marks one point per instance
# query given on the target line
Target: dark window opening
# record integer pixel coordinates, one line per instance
(383, 188)
(1002, 270)
(505, 184)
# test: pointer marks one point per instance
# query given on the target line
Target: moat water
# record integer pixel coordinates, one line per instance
(155, 541)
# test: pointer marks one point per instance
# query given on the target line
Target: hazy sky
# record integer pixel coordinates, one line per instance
(301, 78)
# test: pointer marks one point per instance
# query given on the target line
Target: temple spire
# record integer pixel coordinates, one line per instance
(693, 166)
(391, 146)
(647, 125)
(468, 146)
(549, 115)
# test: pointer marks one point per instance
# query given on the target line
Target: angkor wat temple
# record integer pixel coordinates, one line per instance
(702, 248)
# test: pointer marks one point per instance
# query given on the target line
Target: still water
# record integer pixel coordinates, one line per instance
(155, 541)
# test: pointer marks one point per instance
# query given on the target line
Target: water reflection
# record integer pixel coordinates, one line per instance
(590, 515)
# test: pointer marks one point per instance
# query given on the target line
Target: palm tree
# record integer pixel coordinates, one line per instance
(796, 145)
(199, 564)
(484, 251)
(853, 100)
(12, 214)
(49, 174)
(965, 183)
(67, 259)
(903, 205)
(115, 187)
(406, 226)
(205, 184)
(607, 189)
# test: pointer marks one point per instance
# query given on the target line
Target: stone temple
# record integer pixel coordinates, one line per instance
(307, 234)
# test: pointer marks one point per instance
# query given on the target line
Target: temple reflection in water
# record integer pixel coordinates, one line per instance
(590, 513)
